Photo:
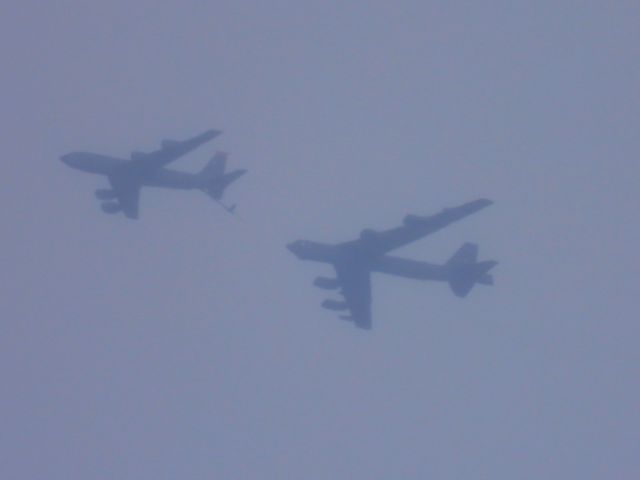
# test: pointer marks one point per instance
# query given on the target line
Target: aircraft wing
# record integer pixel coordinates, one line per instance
(170, 151)
(127, 193)
(403, 267)
(356, 289)
(416, 227)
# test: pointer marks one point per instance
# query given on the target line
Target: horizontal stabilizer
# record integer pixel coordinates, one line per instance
(214, 180)
(216, 186)
(466, 276)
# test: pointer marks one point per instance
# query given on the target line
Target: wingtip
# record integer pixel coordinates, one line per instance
(475, 205)
(209, 134)
(484, 202)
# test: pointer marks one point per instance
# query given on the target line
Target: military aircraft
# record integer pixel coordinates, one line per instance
(354, 260)
(126, 177)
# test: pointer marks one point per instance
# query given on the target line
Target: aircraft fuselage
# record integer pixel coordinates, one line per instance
(354, 255)
(349, 254)
(414, 269)
(105, 165)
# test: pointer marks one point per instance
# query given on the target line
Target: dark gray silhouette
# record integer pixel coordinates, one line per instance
(126, 177)
(462, 271)
(356, 259)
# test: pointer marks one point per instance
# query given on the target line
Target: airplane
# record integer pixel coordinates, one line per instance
(354, 260)
(126, 177)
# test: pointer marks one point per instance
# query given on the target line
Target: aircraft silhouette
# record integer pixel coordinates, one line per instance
(126, 177)
(355, 260)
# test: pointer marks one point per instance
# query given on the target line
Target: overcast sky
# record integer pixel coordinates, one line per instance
(191, 345)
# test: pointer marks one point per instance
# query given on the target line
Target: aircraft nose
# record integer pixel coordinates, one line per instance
(295, 247)
(74, 160)
(291, 247)
(67, 159)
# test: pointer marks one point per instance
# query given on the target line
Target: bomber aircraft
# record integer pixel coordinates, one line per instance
(355, 260)
(126, 177)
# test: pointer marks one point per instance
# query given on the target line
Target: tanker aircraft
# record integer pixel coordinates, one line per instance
(126, 177)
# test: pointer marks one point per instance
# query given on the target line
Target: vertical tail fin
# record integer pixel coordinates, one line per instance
(216, 166)
(466, 271)
(466, 254)
(214, 180)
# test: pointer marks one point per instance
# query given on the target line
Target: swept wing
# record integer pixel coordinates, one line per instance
(170, 151)
(416, 227)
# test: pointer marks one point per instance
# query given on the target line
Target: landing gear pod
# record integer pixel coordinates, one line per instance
(111, 207)
(334, 305)
(105, 194)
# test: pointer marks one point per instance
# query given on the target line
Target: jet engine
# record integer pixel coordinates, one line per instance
(369, 235)
(334, 305)
(413, 220)
(326, 283)
(169, 144)
(111, 207)
(105, 194)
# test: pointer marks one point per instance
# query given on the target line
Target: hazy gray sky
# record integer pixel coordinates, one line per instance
(191, 345)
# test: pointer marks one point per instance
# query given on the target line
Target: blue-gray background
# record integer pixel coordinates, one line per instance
(190, 344)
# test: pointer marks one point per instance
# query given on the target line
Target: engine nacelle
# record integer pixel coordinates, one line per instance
(413, 220)
(369, 235)
(326, 283)
(166, 144)
(111, 207)
(334, 305)
(105, 194)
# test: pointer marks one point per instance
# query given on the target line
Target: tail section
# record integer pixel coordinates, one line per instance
(217, 190)
(466, 271)
(215, 180)
(466, 254)
(216, 166)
